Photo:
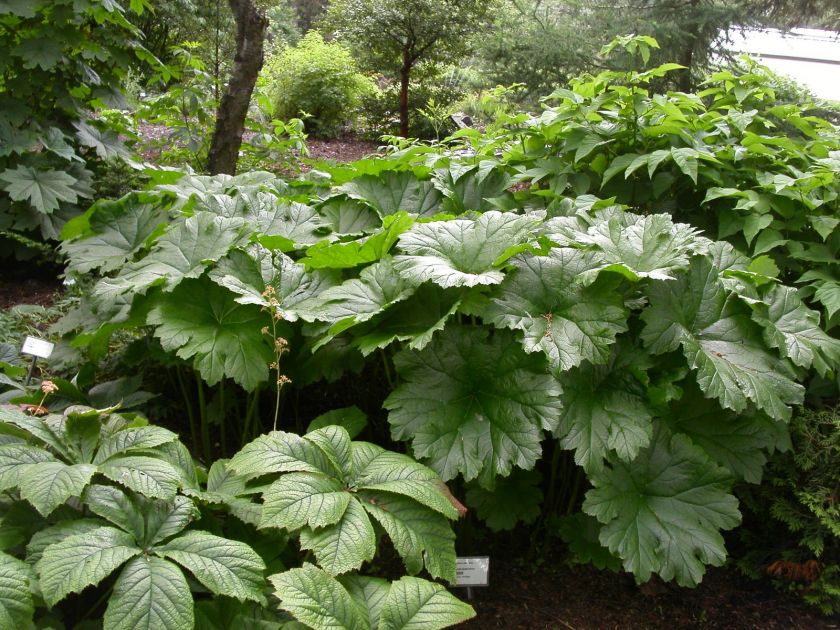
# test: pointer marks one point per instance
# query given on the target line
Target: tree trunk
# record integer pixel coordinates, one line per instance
(405, 73)
(251, 25)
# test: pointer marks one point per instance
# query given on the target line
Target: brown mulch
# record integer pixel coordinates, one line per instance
(584, 598)
(18, 288)
(347, 149)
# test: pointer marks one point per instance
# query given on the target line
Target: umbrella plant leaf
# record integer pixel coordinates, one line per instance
(203, 322)
(558, 315)
(663, 512)
(461, 252)
(473, 405)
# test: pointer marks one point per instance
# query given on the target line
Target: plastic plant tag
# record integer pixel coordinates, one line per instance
(37, 347)
(472, 571)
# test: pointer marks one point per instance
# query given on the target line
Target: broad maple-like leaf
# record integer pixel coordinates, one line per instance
(462, 252)
(392, 191)
(250, 273)
(348, 216)
(43, 190)
(643, 246)
(297, 222)
(117, 231)
(202, 321)
(737, 441)
(473, 405)
(719, 341)
(185, 251)
(566, 320)
(663, 512)
(602, 414)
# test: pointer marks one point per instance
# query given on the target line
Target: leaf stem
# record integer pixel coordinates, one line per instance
(188, 404)
(388, 375)
(222, 417)
(205, 426)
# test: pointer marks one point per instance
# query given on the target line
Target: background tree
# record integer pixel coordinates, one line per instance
(393, 36)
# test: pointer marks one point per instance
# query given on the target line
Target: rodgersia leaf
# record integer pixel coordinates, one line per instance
(202, 321)
(281, 452)
(150, 593)
(473, 405)
(150, 476)
(643, 246)
(369, 593)
(345, 545)
(16, 606)
(318, 599)
(49, 484)
(462, 252)
(567, 321)
(416, 604)
(78, 561)
(663, 512)
(225, 567)
(303, 498)
(719, 341)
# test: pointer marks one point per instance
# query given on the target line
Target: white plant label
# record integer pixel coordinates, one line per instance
(472, 571)
(37, 347)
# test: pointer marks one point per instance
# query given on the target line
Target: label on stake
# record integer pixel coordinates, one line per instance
(37, 347)
(472, 571)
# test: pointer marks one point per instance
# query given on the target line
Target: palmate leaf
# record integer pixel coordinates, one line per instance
(279, 452)
(719, 341)
(638, 247)
(44, 190)
(80, 560)
(150, 476)
(515, 499)
(150, 593)
(317, 599)
(602, 413)
(16, 606)
(462, 252)
(369, 593)
(184, 251)
(297, 223)
(415, 604)
(795, 330)
(304, 498)
(739, 442)
(225, 567)
(345, 545)
(473, 405)
(348, 216)
(249, 273)
(392, 191)
(566, 320)
(15, 460)
(49, 484)
(663, 512)
(471, 187)
(203, 322)
(117, 231)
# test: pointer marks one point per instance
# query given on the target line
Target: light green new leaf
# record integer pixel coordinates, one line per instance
(392, 191)
(224, 566)
(663, 512)
(304, 498)
(203, 322)
(317, 599)
(420, 536)
(281, 452)
(80, 560)
(795, 330)
(473, 405)
(416, 604)
(150, 476)
(118, 230)
(16, 606)
(344, 546)
(636, 246)
(185, 251)
(722, 345)
(462, 252)
(515, 499)
(561, 317)
(150, 593)
(44, 190)
(49, 484)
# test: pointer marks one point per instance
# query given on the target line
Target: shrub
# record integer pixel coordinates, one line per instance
(319, 80)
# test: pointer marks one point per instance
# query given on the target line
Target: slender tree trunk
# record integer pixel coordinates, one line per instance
(251, 25)
(405, 73)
